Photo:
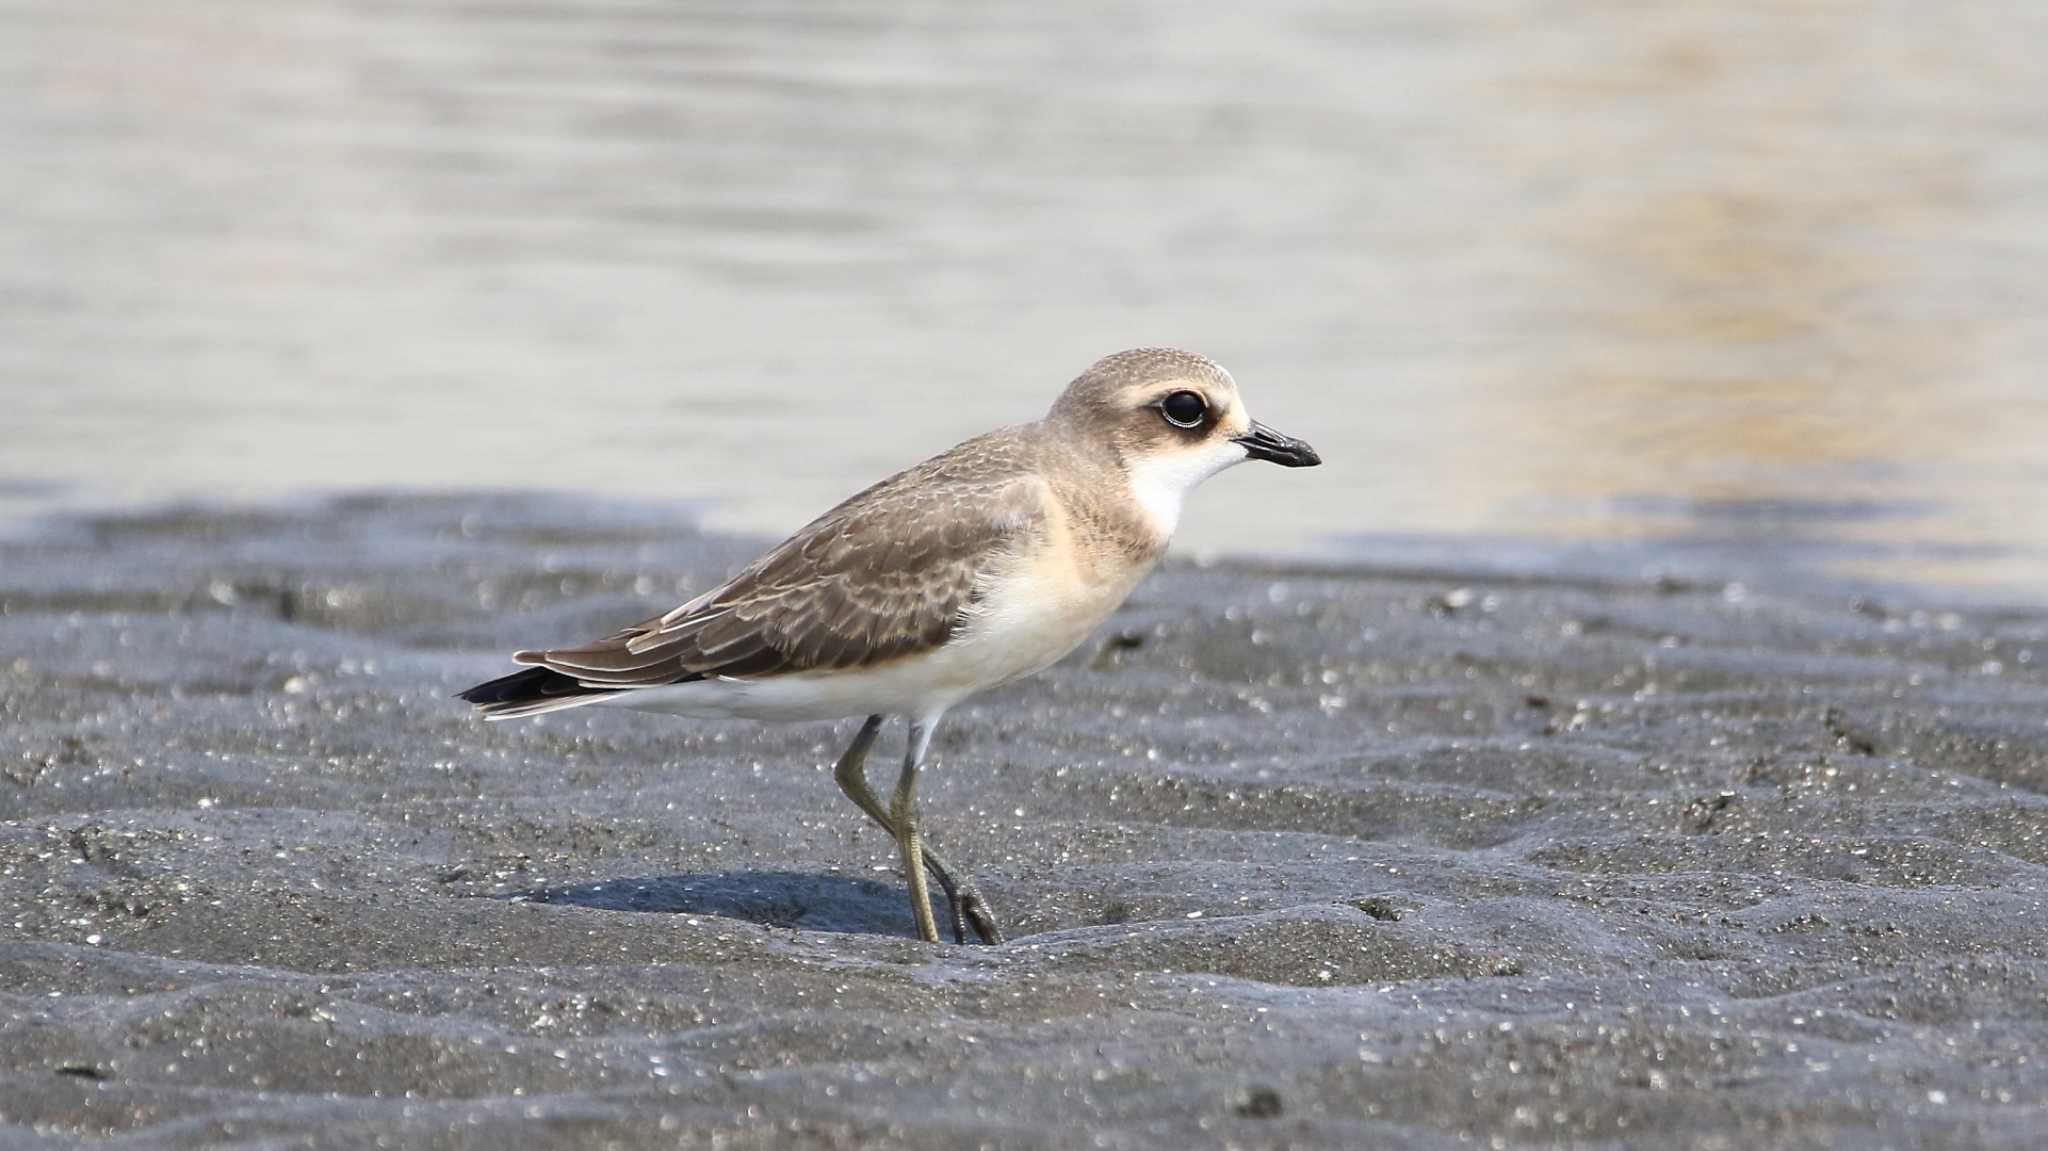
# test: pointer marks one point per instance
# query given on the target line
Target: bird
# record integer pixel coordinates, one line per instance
(983, 564)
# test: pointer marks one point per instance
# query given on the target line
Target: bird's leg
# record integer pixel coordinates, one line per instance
(903, 813)
(964, 900)
(852, 777)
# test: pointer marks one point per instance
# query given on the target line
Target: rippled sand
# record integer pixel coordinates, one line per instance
(1315, 858)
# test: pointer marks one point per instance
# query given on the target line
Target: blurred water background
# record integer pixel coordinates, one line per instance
(1767, 275)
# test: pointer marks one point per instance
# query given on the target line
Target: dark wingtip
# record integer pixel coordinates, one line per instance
(528, 686)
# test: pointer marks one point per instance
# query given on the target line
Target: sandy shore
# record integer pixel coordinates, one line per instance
(1296, 858)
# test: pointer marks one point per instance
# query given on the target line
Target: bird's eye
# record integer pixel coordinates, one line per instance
(1184, 409)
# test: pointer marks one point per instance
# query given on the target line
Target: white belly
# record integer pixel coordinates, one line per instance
(1025, 622)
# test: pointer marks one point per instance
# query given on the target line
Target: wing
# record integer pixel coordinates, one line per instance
(887, 574)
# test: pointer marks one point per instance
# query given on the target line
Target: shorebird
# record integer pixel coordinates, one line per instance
(977, 567)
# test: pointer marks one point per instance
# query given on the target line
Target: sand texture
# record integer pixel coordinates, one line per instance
(1307, 858)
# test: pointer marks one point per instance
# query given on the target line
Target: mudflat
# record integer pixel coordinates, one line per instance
(1290, 857)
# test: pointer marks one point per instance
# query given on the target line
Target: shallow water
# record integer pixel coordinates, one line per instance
(1307, 858)
(1755, 274)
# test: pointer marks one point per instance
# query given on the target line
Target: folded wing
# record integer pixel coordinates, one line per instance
(890, 573)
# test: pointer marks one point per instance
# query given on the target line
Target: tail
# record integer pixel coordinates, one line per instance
(531, 692)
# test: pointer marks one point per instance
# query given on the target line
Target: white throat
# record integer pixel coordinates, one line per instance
(1159, 483)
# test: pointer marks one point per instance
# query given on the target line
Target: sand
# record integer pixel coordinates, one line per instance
(1291, 857)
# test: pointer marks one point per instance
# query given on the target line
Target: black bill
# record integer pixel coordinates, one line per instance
(1263, 443)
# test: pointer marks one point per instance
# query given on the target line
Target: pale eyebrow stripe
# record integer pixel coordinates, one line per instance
(1134, 395)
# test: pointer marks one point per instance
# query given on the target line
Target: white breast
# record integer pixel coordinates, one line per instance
(1037, 612)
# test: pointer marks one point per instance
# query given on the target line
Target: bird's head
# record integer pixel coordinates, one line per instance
(1170, 419)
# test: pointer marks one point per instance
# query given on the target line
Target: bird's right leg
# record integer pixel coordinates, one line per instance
(964, 901)
(909, 835)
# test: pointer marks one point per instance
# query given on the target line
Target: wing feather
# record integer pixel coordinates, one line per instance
(887, 574)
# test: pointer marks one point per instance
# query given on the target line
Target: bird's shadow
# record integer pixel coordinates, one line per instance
(802, 900)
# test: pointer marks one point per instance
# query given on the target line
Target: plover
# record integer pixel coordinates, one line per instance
(977, 567)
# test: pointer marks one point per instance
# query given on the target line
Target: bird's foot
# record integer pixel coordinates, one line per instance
(967, 907)
(976, 911)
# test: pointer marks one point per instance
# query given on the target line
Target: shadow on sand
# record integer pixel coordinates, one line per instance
(808, 901)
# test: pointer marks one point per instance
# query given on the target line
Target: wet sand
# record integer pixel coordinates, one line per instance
(1305, 857)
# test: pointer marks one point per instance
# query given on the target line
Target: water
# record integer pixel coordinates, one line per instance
(1762, 275)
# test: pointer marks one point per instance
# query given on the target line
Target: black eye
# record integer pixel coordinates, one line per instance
(1184, 409)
